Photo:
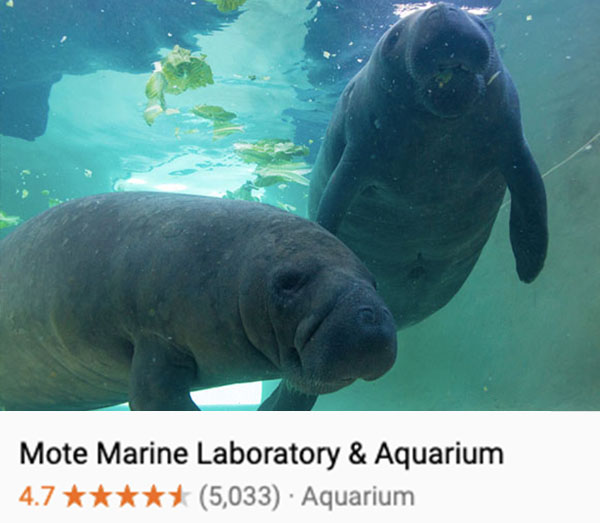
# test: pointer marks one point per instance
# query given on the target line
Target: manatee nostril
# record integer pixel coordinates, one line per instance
(366, 315)
(375, 341)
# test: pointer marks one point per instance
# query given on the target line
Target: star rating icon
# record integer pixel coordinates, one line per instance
(153, 496)
(127, 496)
(179, 497)
(100, 496)
(74, 496)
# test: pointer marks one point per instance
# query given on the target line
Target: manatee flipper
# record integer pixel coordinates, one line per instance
(161, 376)
(343, 186)
(285, 397)
(528, 215)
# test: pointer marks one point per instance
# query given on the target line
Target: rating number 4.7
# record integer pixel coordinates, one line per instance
(26, 497)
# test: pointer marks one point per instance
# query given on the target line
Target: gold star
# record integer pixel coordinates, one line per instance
(153, 496)
(127, 496)
(100, 496)
(74, 496)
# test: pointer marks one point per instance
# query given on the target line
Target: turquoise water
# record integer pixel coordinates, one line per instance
(498, 344)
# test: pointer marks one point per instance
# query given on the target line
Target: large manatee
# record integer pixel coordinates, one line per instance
(142, 297)
(417, 157)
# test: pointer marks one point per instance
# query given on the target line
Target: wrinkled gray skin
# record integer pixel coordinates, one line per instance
(142, 297)
(417, 157)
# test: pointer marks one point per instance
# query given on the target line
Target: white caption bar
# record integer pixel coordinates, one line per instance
(217, 466)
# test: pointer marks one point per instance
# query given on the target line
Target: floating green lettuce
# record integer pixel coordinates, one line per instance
(182, 71)
(221, 130)
(242, 193)
(227, 5)
(269, 151)
(220, 118)
(8, 221)
(51, 201)
(155, 88)
(281, 173)
(178, 72)
(276, 161)
(285, 206)
(213, 112)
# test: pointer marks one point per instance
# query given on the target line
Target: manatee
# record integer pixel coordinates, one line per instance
(421, 147)
(143, 297)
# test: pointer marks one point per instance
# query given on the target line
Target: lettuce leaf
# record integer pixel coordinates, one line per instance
(220, 118)
(276, 161)
(176, 73)
(269, 151)
(8, 221)
(227, 5)
(242, 193)
(213, 113)
(282, 173)
(182, 71)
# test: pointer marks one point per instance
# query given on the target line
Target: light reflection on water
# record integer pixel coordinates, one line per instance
(403, 10)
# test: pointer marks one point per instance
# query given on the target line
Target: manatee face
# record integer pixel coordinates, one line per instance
(445, 50)
(335, 326)
(315, 313)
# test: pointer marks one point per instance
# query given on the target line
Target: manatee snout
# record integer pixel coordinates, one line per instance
(449, 39)
(356, 339)
(447, 54)
(375, 328)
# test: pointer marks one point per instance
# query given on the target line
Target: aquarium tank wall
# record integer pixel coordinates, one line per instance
(231, 99)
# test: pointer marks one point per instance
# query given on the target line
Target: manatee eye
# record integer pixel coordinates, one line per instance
(394, 35)
(391, 39)
(290, 281)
